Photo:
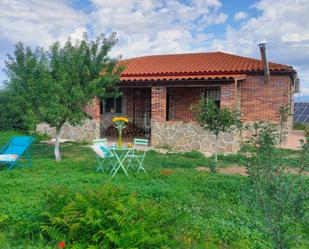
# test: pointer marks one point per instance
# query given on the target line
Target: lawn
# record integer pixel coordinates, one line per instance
(206, 211)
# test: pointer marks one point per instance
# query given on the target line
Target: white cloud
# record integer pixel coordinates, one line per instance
(156, 26)
(284, 25)
(240, 16)
(37, 22)
(160, 26)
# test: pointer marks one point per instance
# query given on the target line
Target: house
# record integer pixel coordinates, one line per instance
(159, 90)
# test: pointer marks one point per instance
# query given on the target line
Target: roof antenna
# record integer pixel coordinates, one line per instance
(264, 60)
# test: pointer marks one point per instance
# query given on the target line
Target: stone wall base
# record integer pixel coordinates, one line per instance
(89, 130)
(177, 135)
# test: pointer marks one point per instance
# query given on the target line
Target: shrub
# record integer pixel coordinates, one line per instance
(278, 196)
(106, 218)
(216, 121)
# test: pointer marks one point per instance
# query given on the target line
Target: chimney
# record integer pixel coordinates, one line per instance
(264, 60)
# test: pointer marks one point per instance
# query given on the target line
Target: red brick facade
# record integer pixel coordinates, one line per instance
(261, 101)
(228, 95)
(256, 99)
(180, 102)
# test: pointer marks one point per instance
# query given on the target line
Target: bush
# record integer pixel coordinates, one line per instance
(278, 196)
(106, 218)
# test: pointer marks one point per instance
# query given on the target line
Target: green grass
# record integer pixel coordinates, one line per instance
(214, 208)
(302, 126)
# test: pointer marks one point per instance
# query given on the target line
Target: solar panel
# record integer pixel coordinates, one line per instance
(301, 113)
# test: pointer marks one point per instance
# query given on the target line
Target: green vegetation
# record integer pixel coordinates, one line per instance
(55, 85)
(173, 206)
(278, 196)
(216, 120)
(303, 127)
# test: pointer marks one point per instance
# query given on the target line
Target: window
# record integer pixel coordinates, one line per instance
(112, 105)
(215, 94)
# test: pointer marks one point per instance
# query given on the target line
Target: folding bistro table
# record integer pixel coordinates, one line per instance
(121, 155)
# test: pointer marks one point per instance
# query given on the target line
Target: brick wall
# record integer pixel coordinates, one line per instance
(258, 100)
(158, 103)
(181, 100)
(228, 95)
(261, 101)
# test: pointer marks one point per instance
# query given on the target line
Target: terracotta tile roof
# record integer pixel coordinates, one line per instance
(212, 65)
(184, 77)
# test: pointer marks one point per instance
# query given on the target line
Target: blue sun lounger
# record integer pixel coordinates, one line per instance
(14, 149)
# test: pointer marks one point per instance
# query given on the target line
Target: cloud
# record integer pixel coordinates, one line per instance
(285, 29)
(240, 16)
(37, 22)
(143, 27)
(156, 26)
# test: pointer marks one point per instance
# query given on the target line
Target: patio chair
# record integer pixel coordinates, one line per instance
(139, 157)
(103, 154)
(14, 150)
(101, 141)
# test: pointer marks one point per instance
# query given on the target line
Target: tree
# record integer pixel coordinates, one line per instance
(26, 69)
(216, 120)
(279, 196)
(56, 85)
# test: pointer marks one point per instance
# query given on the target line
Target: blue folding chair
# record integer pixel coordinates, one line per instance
(139, 157)
(103, 154)
(14, 149)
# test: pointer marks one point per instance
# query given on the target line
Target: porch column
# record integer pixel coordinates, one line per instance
(158, 103)
(228, 95)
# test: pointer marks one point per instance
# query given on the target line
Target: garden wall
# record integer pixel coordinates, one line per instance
(89, 130)
(188, 136)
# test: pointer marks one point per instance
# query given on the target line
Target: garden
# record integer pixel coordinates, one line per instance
(185, 200)
(173, 206)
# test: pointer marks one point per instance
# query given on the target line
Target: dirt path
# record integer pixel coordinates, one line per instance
(238, 170)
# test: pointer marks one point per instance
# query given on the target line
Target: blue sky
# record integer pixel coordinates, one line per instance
(161, 26)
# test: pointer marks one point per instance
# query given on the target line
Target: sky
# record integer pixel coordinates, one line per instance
(147, 27)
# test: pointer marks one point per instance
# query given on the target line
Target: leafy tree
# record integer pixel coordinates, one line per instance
(276, 194)
(216, 120)
(54, 86)
(26, 69)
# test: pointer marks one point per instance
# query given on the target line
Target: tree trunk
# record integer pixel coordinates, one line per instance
(216, 149)
(57, 145)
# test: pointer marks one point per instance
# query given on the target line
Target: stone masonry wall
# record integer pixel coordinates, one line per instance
(87, 131)
(181, 136)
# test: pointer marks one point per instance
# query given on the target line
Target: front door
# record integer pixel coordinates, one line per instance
(142, 111)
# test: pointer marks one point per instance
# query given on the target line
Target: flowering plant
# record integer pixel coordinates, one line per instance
(120, 123)
(118, 119)
(61, 244)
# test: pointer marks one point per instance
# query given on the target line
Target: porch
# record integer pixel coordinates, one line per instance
(163, 114)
